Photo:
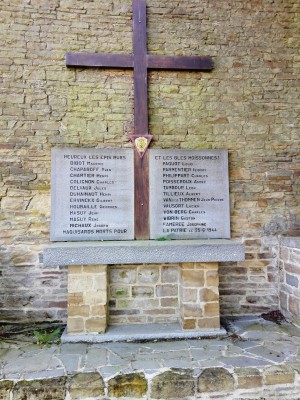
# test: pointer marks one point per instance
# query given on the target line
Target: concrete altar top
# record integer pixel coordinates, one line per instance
(143, 252)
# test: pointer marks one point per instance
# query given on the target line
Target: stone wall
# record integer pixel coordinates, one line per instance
(271, 382)
(249, 105)
(101, 295)
(144, 294)
(289, 264)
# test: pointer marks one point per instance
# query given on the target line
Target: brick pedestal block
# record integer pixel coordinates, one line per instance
(87, 299)
(195, 293)
(199, 296)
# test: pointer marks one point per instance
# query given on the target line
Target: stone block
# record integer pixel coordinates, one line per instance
(96, 325)
(292, 280)
(100, 282)
(294, 305)
(142, 291)
(208, 323)
(212, 309)
(44, 389)
(211, 278)
(119, 292)
(189, 295)
(188, 323)
(148, 274)
(94, 269)
(169, 302)
(166, 290)
(128, 385)
(75, 325)
(192, 278)
(208, 295)
(173, 385)
(95, 298)
(75, 269)
(78, 311)
(5, 388)
(78, 283)
(192, 310)
(215, 380)
(98, 311)
(169, 274)
(86, 385)
(75, 299)
(278, 374)
(248, 378)
(122, 275)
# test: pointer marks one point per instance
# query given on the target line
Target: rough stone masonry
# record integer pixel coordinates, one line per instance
(249, 105)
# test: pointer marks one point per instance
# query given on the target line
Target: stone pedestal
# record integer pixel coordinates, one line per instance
(194, 297)
(87, 299)
(199, 296)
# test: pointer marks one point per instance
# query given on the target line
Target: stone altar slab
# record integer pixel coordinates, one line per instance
(92, 195)
(189, 194)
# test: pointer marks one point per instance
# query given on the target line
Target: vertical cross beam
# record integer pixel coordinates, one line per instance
(141, 165)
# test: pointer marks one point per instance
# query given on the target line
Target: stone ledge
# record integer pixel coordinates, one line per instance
(142, 252)
(147, 332)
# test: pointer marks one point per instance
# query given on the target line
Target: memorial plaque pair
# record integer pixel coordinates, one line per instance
(93, 194)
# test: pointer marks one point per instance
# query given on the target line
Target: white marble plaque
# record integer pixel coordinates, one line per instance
(92, 195)
(189, 194)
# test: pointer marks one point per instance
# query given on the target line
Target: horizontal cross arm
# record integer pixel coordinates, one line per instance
(191, 63)
(99, 60)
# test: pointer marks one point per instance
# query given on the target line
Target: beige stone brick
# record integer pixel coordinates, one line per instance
(77, 283)
(294, 304)
(169, 274)
(100, 282)
(188, 266)
(95, 298)
(189, 295)
(208, 295)
(166, 290)
(248, 378)
(95, 325)
(212, 309)
(168, 302)
(78, 311)
(211, 279)
(278, 374)
(142, 291)
(74, 269)
(208, 323)
(192, 310)
(119, 292)
(215, 380)
(132, 385)
(98, 311)
(86, 385)
(192, 278)
(207, 266)
(75, 325)
(148, 274)
(94, 269)
(75, 299)
(123, 275)
(188, 323)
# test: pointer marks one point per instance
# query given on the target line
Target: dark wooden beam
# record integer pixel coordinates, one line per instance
(180, 63)
(100, 60)
(140, 68)
(141, 169)
(141, 196)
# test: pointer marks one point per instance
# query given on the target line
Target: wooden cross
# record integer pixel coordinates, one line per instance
(140, 61)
